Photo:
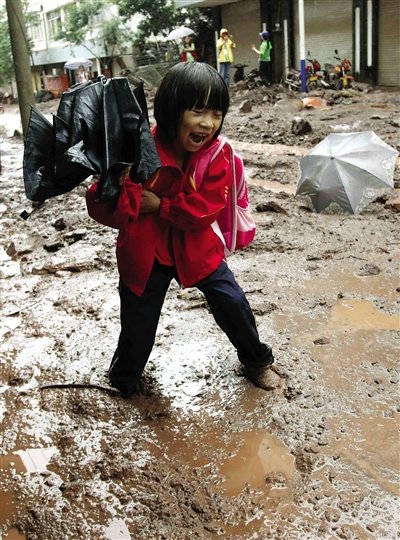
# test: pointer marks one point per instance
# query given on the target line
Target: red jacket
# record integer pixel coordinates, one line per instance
(184, 220)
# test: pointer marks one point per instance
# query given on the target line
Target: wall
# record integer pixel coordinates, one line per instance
(389, 43)
(328, 26)
(242, 21)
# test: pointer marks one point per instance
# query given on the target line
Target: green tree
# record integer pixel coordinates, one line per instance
(158, 16)
(112, 32)
(79, 17)
(6, 59)
(162, 16)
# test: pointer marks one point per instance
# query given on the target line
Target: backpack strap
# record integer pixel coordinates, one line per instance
(206, 157)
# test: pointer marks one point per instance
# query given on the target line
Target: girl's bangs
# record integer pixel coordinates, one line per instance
(210, 94)
(214, 99)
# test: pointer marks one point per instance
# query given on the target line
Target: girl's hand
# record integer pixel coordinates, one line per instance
(123, 174)
(150, 203)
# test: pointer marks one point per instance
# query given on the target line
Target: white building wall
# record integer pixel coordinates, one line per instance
(242, 20)
(328, 26)
(389, 43)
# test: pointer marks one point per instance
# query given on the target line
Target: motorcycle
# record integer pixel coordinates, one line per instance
(316, 77)
(339, 76)
(293, 79)
(239, 73)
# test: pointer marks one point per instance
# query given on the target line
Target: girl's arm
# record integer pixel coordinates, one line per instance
(192, 209)
(127, 208)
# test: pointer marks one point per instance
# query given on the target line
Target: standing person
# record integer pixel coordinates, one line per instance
(225, 46)
(165, 230)
(82, 75)
(265, 57)
(187, 50)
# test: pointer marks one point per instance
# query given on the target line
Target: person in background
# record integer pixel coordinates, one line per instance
(166, 230)
(264, 57)
(225, 46)
(187, 50)
(82, 75)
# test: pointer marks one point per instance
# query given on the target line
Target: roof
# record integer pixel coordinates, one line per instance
(203, 3)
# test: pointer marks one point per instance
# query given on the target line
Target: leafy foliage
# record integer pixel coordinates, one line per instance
(6, 59)
(80, 17)
(115, 36)
(160, 17)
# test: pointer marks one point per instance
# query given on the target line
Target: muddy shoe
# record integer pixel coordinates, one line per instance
(125, 391)
(263, 377)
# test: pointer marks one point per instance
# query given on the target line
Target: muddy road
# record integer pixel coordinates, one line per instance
(201, 453)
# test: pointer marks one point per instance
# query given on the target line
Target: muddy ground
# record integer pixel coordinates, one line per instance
(201, 453)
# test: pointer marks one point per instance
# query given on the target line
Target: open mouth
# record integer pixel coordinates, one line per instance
(198, 138)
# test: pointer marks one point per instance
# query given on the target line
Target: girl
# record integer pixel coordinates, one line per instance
(187, 50)
(264, 57)
(165, 230)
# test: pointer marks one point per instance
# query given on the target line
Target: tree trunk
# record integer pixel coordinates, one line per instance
(20, 52)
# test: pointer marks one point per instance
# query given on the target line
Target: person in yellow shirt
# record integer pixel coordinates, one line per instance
(225, 46)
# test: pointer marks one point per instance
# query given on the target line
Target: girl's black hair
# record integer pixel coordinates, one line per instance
(188, 86)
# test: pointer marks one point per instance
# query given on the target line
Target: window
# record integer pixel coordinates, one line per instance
(35, 28)
(54, 22)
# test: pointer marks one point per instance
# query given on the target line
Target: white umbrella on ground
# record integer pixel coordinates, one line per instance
(180, 33)
(76, 63)
(350, 169)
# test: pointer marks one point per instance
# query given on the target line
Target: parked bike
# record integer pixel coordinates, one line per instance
(339, 76)
(316, 77)
(293, 79)
(239, 73)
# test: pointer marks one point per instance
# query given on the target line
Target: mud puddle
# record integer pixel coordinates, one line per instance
(34, 460)
(202, 453)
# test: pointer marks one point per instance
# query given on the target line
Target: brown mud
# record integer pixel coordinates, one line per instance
(201, 453)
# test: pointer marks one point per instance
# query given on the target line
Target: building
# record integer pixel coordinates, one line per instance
(49, 55)
(367, 32)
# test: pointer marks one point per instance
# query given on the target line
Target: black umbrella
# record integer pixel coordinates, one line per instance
(36, 151)
(101, 127)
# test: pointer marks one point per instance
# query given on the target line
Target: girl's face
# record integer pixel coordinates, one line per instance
(197, 128)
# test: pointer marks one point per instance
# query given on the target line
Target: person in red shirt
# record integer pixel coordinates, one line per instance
(165, 230)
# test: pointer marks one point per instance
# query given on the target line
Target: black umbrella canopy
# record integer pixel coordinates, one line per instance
(123, 122)
(36, 152)
(101, 127)
(84, 101)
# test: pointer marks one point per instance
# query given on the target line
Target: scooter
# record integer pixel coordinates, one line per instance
(340, 75)
(316, 77)
(293, 79)
(239, 73)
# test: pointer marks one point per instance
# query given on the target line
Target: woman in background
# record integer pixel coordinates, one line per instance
(225, 46)
(187, 50)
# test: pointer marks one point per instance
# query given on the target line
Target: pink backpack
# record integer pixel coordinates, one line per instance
(235, 225)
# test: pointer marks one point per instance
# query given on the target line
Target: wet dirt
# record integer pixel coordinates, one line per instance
(201, 453)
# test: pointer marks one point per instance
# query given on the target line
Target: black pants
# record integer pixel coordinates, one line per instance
(140, 316)
(265, 70)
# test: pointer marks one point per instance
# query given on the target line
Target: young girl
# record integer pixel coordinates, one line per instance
(187, 51)
(264, 57)
(165, 230)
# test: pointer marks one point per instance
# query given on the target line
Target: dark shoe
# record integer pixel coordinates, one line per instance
(263, 377)
(125, 391)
